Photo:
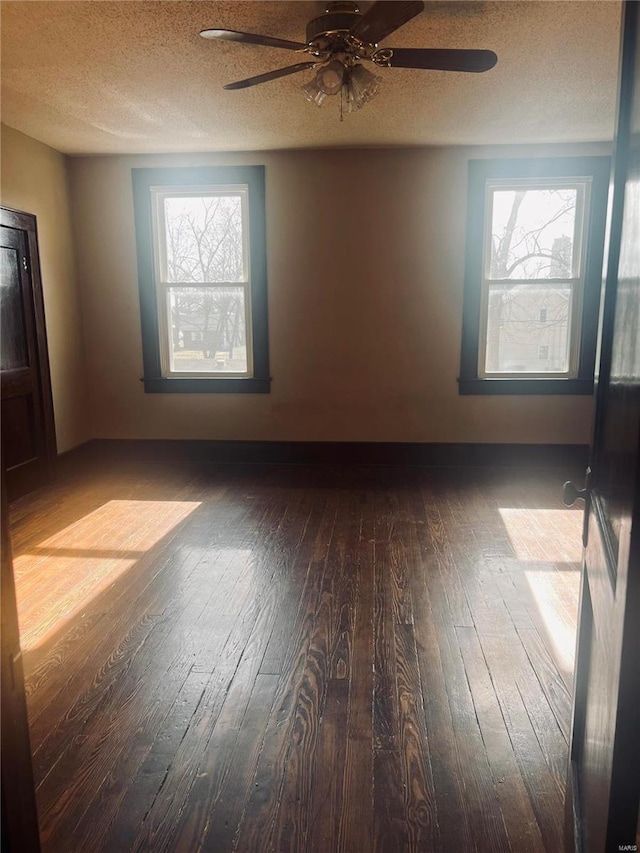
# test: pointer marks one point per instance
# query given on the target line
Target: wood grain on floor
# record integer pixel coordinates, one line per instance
(298, 658)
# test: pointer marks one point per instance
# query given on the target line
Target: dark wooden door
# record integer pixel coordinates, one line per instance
(28, 437)
(605, 750)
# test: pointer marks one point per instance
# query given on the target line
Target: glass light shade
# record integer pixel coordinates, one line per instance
(313, 93)
(355, 84)
(330, 77)
(360, 86)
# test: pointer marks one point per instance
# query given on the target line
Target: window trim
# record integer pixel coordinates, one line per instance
(174, 178)
(163, 285)
(480, 173)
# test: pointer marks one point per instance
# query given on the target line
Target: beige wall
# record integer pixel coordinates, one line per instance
(34, 180)
(365, 271)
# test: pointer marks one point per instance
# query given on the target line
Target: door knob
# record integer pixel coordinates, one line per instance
(571, 493)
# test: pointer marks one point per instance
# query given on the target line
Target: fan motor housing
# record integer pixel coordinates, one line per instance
(337, 20)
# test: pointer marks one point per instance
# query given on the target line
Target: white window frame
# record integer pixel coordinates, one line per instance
(163, 286)
(575, 283)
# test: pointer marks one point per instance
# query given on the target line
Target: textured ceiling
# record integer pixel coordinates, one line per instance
(134, 76)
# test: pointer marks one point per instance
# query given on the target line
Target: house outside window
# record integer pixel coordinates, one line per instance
(202, 277)
(535, 237)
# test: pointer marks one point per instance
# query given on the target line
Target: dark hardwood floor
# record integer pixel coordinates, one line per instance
(298, 658)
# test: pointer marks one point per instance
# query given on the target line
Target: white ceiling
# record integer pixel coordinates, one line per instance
(134, 76)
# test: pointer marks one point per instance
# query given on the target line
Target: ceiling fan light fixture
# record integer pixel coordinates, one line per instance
(341, 39)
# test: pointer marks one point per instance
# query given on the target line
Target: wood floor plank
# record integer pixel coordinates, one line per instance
(295, 817)
(236, 667)
(414, 748)
(224, 819)
(199, 818)
(264, 803)
(328, 789)
(447, 769)
(553, 685)
(356, 822)
(519, 818)
(390, 831)
(386, 713)
(146, 767)
(295, 580)
(437, 542)
(543, 782)
(490, 832)
(91, 754)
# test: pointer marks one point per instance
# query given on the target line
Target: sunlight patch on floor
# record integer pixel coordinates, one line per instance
(560, 625)
(71, 568)
(544, 535)
(548, 544)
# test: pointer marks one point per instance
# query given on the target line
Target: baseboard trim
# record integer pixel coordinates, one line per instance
(338, 453)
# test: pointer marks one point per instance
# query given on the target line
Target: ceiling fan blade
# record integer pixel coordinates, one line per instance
(384, 17)
(251, 38)
(443, 60)
(270, 75)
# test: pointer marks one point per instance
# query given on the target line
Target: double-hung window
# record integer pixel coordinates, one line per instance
(202, 277)
(535, 235)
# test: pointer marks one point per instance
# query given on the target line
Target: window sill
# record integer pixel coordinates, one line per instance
(525, 386)
(163, 385)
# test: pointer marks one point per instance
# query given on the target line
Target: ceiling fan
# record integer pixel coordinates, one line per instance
(342, 38)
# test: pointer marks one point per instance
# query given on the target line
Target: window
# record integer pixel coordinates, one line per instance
(535, 235)
(202, 277)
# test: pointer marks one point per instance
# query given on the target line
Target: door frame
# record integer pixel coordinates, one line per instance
(19, 811)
